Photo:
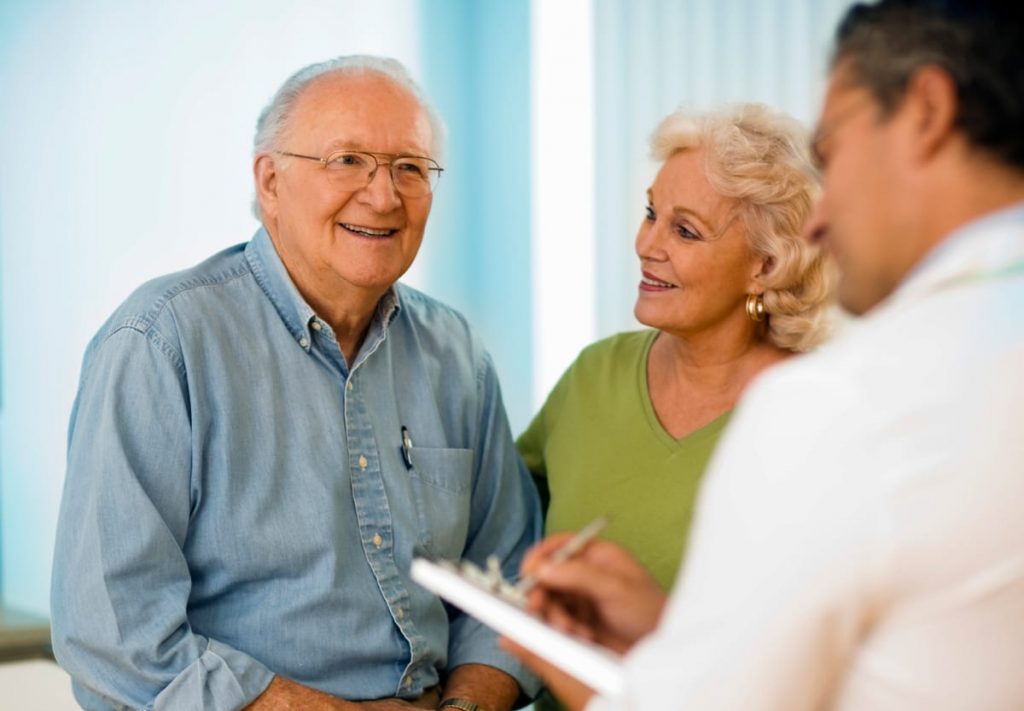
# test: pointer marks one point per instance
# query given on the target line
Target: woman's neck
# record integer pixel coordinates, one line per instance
(691, 384)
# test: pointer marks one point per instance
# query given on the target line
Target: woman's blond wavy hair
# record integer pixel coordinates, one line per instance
(760, 158)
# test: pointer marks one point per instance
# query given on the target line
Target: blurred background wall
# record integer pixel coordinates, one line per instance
(125, 152)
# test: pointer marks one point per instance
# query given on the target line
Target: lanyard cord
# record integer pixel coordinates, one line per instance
(1009, 270)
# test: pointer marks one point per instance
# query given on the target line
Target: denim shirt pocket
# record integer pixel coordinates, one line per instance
(443, 480)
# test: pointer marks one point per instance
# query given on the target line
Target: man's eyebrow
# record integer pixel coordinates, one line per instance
(347, 145)
(343, 145)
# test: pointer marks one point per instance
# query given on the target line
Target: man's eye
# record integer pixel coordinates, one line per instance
(414, 169)
(347, 160)
(649, 213)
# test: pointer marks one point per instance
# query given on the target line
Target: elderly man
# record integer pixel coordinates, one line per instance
(860, 539)
(261, 444)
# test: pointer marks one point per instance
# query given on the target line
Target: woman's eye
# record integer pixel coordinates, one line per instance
(686, 233)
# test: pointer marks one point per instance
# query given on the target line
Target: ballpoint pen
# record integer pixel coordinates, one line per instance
(571, 547)
(406, 447)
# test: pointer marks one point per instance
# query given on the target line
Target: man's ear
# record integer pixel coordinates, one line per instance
(265, 174)
(931, 104)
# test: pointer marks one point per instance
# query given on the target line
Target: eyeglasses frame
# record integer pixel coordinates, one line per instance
(377, 164)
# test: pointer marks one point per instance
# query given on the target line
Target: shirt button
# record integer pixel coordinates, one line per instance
(401, 613)
(407, 682)
(304, 342)
(315, 325)
(377, 540)
(348, 385)
(362, 462)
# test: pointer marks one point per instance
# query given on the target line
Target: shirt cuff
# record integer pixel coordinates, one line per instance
(222, 678)
(474, 643)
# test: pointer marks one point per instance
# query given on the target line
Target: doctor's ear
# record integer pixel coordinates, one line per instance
(930, 104)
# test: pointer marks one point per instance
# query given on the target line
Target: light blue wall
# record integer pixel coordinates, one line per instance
(125, 136)
(125, 132)
(476, 66)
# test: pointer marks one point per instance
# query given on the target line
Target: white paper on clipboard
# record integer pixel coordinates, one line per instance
(595, 666)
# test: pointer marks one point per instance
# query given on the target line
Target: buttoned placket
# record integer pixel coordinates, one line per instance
(373, 515)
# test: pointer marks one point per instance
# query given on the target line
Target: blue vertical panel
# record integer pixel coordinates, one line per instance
(732, 40)
(607, 154)
(476, 69)
(769, 29)
(797, 55)
(707, 78)
(621, 140)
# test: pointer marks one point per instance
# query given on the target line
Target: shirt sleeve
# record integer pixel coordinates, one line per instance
(784, 569)
(121, 581)
(504, 521)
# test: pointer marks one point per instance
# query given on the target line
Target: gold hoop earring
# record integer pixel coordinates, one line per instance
(755, 307)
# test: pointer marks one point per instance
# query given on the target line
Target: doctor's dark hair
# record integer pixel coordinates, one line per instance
(979, 43)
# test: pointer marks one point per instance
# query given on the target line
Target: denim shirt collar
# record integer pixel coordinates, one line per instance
(297, 315)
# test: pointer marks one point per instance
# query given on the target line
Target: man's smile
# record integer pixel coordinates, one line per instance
(368, 231)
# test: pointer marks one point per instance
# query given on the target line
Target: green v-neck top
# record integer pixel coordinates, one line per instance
(597, 447)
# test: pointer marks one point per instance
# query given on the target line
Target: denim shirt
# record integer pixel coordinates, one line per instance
(238, 504)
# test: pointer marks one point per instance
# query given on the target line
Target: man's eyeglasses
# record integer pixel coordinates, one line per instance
(412, 176)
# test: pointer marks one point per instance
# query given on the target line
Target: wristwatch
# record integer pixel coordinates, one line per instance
(461, 704)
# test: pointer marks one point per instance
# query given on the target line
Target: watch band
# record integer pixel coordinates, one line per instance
(461, 704)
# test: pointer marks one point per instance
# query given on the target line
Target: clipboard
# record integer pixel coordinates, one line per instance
(597, 667)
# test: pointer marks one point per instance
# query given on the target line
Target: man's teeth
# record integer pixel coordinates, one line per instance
(367, 230)
(655, 282)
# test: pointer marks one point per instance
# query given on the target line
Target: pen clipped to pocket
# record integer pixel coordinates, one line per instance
(406, 447)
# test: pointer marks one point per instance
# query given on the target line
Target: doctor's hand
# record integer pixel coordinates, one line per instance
(602, 593)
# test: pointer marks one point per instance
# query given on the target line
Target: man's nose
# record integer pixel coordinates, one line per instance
(380, 193)
(815, 225)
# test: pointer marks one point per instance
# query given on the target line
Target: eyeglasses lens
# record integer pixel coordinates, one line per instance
(412, 176)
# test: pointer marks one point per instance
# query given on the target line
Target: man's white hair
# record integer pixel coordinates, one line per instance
(275, 115)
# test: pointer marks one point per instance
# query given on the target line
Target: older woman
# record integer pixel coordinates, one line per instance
(728, 288)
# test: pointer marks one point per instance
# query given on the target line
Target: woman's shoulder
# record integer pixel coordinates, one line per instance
(614, 350)
(602, 374)
(608, 363)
